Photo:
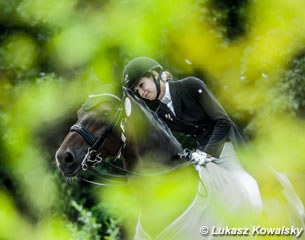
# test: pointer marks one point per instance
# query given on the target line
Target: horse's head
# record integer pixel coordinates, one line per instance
(94, 120)
(110, 126)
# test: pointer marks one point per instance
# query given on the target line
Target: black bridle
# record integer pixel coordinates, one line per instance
(93, 156)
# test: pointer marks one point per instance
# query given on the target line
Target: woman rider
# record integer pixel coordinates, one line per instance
(187, 106)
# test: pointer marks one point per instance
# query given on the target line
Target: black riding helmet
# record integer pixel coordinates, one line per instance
(138, 68)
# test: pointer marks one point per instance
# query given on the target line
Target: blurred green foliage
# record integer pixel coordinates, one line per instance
(90, 226)
(293, 85)
(54, 53)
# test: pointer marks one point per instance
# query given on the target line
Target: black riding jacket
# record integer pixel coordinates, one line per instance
(198, 114)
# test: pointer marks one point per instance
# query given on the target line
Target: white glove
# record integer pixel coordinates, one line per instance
(200, 158)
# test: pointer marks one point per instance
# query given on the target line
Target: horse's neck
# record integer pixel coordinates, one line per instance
(162, 147)
(162, 199)
(148, 134)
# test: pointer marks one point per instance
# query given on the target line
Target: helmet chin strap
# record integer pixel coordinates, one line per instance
(157, 82)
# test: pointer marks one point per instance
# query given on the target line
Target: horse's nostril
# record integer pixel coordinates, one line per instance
(68, 158)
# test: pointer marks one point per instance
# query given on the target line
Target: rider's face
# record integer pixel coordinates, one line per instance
(146, 88)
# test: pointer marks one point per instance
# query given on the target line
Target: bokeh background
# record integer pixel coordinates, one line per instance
(53, 54)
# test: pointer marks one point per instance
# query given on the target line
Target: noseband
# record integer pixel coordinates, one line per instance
(93, 156)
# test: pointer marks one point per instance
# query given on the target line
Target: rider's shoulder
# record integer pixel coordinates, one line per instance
(190, 82)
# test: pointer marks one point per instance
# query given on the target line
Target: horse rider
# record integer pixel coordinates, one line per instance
(187, 106)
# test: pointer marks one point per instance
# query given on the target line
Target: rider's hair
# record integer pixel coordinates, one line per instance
(166, 76)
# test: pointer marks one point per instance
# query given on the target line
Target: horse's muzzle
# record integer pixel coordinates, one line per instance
(66, 162)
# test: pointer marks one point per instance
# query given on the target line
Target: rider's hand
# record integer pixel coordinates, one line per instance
(200, 158)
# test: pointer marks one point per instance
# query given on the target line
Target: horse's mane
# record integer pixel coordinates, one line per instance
(155, 118)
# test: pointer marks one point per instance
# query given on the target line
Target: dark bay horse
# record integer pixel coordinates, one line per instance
(173, 201)
(127, 129)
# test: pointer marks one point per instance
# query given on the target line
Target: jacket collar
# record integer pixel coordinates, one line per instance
(176, 97)
(167, 96)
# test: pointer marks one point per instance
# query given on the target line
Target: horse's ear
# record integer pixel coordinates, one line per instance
(124, 92)
(128, 92)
